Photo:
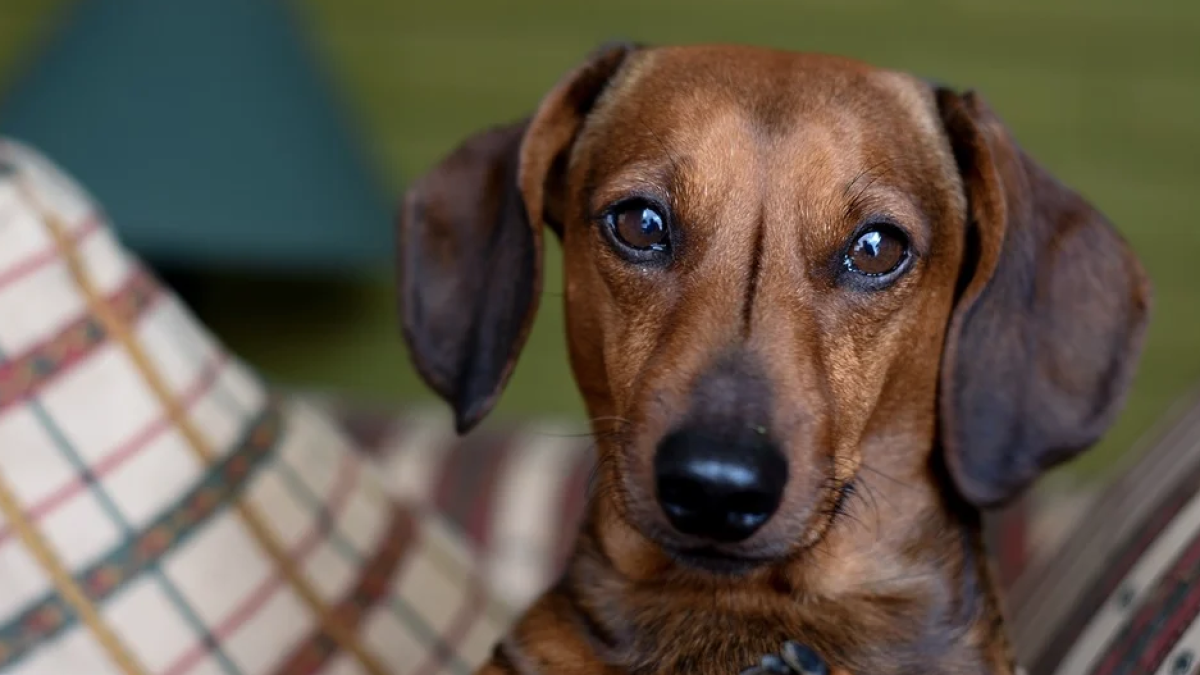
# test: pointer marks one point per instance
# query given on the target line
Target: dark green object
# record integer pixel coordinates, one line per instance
(209, 134)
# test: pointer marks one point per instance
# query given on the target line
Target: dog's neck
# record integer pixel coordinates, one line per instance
(901, 595)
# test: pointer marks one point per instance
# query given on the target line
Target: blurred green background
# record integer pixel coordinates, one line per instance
(1106, 93)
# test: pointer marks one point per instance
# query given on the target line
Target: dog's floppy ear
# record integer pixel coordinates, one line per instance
(1049, 321)
(469, 243)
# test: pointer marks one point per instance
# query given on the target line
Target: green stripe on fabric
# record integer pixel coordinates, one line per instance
(114, 513)
(49, 616)
(23, 374)
(400, 608)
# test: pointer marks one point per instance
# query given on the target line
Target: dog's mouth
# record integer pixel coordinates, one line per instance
(714, 561)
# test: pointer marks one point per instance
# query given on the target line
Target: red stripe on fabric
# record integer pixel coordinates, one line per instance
(1151, 609)
(122, 454)
(343, 485)
(465, 483)
(90, 224)
(484, 494)
(373, 585)
(1158, 650)
(1149, 534)
(1190, 557)
(444, 476)
(1013, 540)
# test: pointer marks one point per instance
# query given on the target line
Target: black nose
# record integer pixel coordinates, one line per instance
(716, 487)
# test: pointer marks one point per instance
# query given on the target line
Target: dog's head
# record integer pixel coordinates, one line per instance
(782, 271)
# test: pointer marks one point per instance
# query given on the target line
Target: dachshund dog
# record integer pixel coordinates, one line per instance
(822, 315)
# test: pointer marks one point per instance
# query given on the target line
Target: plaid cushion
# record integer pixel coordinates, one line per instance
(517, 491)
(162, 512)
(1121, 594)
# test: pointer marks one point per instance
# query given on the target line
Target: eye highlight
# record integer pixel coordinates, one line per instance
(639, 227)
(877, 251)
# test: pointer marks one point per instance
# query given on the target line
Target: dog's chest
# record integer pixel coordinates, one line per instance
(702, 641)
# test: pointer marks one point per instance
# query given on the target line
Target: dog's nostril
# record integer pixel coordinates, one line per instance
(679, 495)
(718, 490)
(752, 502)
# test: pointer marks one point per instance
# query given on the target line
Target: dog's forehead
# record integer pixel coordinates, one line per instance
(685, 93)
(730, 105)
(725, 128)
(775, 90)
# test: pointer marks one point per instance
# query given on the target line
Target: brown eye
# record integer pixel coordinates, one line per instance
(640, 226)
(877, 251)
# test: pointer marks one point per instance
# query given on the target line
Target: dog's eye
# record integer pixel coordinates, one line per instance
(640, 226)
(877, 251)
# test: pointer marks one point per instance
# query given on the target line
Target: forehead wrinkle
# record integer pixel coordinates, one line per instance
(811, 166)
(724, 163)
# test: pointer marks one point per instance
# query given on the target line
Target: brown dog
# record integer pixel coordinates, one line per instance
(822, 314)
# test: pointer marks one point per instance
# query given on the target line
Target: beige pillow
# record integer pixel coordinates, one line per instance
(162, 512)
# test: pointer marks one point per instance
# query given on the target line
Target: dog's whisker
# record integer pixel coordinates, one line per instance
(859, 176)
(610, 418)
(839, 513)
(620, 424)
(869, 172)
(575, 434)
(873, 491)
(864, 491)
(853, 492)
(867, 467)
(675, 164)
(905, 578)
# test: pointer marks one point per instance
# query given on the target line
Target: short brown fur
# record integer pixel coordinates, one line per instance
(1006, 348)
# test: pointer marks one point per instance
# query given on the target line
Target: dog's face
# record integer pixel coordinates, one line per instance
(782, 271)
(761, 254)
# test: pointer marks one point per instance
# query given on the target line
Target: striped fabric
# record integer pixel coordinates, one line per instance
(517, 491)
(163, 513)
(1122, 592)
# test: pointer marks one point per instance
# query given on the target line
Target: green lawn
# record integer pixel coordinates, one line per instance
(1104, 92)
